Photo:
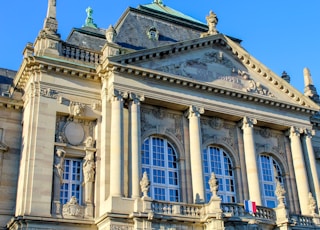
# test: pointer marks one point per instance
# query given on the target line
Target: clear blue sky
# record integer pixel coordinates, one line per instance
(282, 34)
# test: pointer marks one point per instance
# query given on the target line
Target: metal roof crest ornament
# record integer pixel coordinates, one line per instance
(158, 2)
(89, 20)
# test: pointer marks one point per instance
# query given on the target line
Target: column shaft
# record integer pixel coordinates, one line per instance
(135, 145)
(312, 164)
(195, 155)
(300, 171)
(116, 145)
(251, 160)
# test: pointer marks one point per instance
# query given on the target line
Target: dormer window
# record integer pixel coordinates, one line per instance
(153, 34)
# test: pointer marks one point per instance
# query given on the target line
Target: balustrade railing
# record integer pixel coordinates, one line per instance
(192, 210)
(81, 54)
(305, 221)
(237, 210)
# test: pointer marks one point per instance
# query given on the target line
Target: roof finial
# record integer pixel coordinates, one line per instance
(89, 19)
(309, 89)
(158, 2)
(50, 23)
(212, 21)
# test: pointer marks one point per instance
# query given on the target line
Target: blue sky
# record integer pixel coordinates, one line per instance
(282, 34)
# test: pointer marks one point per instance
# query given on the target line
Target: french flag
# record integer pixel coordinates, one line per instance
(250, 206)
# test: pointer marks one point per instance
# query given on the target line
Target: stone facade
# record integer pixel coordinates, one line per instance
(155, 130)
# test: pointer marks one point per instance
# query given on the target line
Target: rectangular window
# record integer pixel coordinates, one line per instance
(72, 179)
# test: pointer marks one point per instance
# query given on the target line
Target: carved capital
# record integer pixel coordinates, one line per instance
(294, 132)
(116, 95)
(248, 122)
(308, 133)
(194, 111)
(136, 99)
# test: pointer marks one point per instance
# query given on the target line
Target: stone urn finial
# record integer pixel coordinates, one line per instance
(145, 184)
(212, 21)
(312, 204)
(280, 191)
(213, 183)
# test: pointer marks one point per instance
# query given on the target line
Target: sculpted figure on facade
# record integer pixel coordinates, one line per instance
(145, 184)
(60, 166)
(89, 173)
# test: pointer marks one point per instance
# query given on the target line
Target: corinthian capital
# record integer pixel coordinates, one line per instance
(195, 111)
(248, 122)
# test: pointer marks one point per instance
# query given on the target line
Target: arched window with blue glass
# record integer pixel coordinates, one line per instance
(270, 173)
(217, 160)
(160, 161)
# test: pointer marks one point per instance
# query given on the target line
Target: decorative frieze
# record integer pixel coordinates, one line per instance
(161, 120)
(49, 93)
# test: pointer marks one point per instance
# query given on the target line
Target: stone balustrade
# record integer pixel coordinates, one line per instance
(230, 210)
(165, 208)
(81, 54)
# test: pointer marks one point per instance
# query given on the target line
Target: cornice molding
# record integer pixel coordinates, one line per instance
(10, 103)
(42, 64)
(227, 43)
(205, 87)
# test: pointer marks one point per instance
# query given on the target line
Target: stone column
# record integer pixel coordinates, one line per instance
(300, 170)
(312, 163)
(135, 143)
(196, 154)
(251, 160)
(116, 143)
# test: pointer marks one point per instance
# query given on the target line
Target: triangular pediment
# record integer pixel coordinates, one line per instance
(220, 62)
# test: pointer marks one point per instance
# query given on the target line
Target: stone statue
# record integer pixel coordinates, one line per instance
(213, 183)
(145, 184)
(312, 204)
(88, 172)
(307, 77)
(60, 166)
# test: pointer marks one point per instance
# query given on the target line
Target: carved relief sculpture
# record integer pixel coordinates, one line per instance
(76, 109)
(72, 208)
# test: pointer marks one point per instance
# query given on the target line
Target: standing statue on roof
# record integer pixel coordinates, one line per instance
(89, 20)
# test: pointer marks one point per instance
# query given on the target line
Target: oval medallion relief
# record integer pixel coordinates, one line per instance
(74, 133)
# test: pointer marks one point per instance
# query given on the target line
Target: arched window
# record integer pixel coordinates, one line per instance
(217, 160)
(270, 172)
(159, 160)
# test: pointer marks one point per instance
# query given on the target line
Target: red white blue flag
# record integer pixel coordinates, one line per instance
(250, 206)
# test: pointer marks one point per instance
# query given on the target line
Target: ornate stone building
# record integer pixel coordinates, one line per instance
(158, 122)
